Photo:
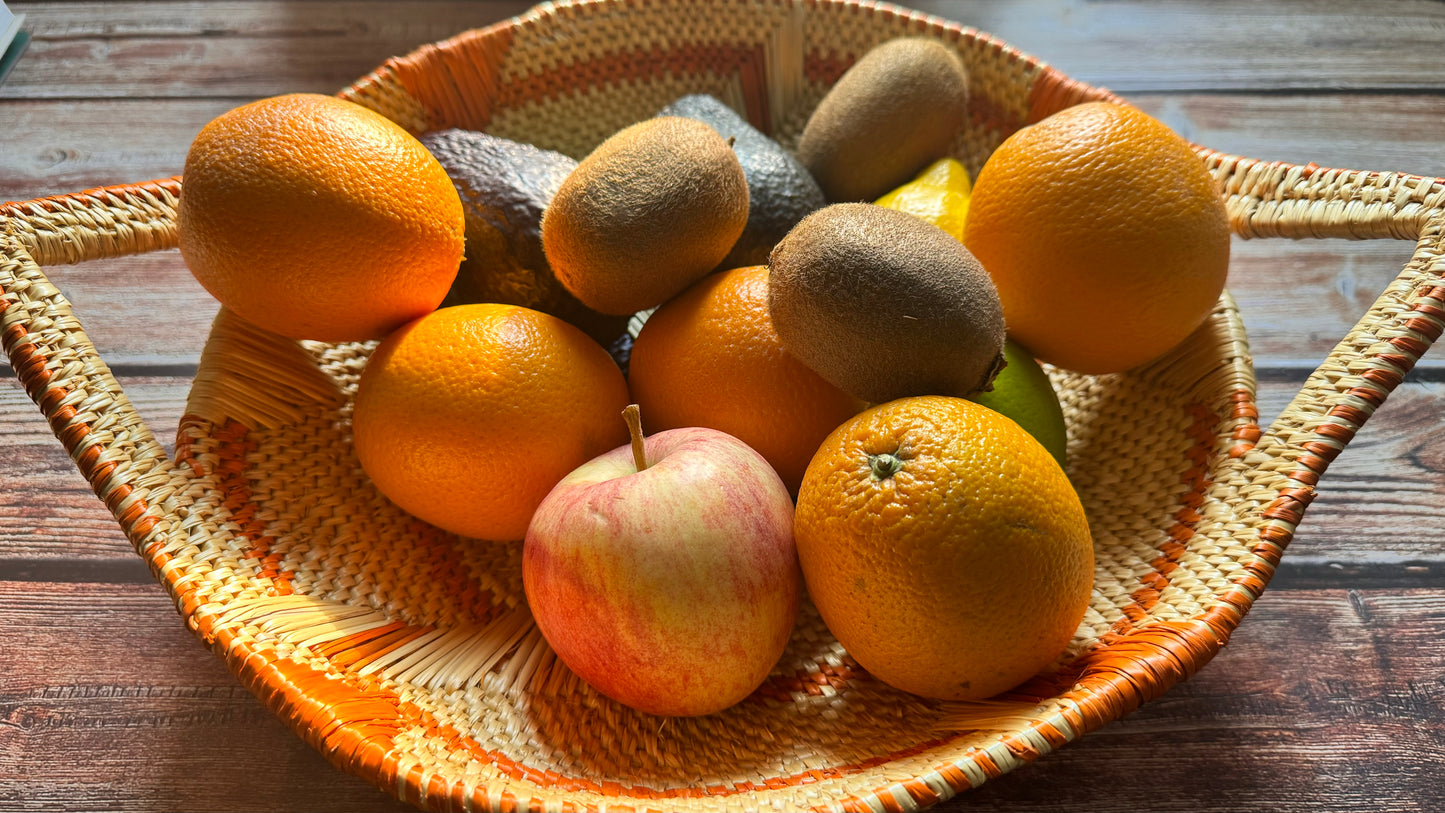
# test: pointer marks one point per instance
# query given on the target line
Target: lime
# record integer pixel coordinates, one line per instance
(939, 195)
(1023, 392)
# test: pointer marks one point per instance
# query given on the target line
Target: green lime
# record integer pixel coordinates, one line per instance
(1023, 392)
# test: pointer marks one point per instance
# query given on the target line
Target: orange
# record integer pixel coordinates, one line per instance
(944, 547)
(711, 358)
(1105, 234)
(468, 416)
(316, 218)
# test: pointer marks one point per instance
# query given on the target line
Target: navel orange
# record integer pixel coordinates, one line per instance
(468, 416)
(711, 358)
(1105, 235)
(944, 547)
(316, 218)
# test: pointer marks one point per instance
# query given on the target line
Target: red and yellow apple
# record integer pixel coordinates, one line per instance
(671, 586)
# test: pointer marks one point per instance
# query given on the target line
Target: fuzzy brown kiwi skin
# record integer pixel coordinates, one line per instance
(780, 191)
(650, 211)
(885, 305)
(505, 186)
(896, 110)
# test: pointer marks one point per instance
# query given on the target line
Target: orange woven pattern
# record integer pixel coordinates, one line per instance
(407, 655)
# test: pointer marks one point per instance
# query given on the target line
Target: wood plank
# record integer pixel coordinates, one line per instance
(50, 513)
(1311, 683)
(1297, 298)
(1143, 46)
(95, 675)
(144, 313)
(1377, 516)
(59, 146)
(210, 49)
(1365, 131)
(226, 49)
(1379, 502)
(1313, 705)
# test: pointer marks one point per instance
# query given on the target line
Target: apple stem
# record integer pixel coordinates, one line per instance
(633, 415)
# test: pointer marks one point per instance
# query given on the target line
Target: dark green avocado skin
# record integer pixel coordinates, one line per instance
(781, 191)
(505, 186)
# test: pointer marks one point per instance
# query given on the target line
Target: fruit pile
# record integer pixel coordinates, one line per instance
(839, 358)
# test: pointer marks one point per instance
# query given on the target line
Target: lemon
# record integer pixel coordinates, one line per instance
(939, 195)
(1023, 392)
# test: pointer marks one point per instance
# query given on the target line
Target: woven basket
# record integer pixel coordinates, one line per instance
(407, 656)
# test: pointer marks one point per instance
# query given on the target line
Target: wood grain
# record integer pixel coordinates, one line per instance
(1177, 45)
(1379, 503)
(105, 672)
(1378, 511)
(90, 50)
(49, 513)
(1297, 300)
(95, 674)
(1329, 696)
(144, 313)
(56, 147)
(1363, 130)
(226, 49)
(1313, 705)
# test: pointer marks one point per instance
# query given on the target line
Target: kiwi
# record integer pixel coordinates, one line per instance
(884, 304)
(505, 186)
(780, 190)
(887, 117)
(650, 211)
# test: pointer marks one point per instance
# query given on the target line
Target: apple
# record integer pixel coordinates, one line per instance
(664, 573)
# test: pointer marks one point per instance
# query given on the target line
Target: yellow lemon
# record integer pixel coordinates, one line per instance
(939, 195)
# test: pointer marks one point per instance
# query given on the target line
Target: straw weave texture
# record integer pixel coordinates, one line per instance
(407, 655)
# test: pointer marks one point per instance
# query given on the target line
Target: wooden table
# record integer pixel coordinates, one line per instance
(1331, 696)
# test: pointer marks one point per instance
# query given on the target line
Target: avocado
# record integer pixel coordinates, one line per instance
(505, 186)
(781, 191)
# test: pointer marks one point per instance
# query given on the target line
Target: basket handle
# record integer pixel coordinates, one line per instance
(56, 362)
(1273, 199)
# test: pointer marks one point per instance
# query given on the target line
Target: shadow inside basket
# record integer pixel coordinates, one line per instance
(288, 548)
